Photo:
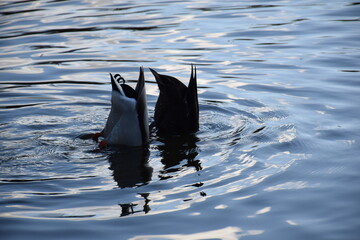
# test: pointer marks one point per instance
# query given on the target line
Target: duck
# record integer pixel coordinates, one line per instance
(127, 123)
(177, 107)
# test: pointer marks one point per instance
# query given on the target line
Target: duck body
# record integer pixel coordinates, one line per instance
(127, 123)
(177, 108)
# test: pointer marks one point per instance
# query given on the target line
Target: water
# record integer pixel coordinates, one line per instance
(277, 154)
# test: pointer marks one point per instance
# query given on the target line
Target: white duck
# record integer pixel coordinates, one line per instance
(127, 123)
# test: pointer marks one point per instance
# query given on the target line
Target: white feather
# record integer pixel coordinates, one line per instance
(122, 126)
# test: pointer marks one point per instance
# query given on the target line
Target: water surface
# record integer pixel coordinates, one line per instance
(277, 153)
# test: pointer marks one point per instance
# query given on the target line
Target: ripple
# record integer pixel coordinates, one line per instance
(277, 86)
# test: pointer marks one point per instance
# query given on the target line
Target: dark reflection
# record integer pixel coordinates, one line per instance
(131, 169)
(131, 208)
(20, 105)
(176, 149)
(76, 30)
(20, 12)
(130, 166)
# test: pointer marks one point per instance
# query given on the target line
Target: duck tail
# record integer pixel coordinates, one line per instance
(192, 101)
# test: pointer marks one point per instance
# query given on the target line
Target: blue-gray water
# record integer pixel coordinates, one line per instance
(277, 155)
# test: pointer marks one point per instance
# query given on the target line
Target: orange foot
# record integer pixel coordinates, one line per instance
(102, 144)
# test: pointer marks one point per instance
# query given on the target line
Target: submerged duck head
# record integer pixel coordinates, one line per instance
(177, 107)
(127, 123)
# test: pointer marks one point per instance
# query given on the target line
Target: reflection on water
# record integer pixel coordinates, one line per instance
(128, 208)
(228, 233)
(175, 150)
(130, 167)
(278, 138)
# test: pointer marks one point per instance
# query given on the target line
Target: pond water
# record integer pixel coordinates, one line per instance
(277, 153)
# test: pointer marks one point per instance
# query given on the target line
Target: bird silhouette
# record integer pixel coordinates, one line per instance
(177, 107)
